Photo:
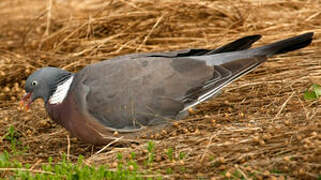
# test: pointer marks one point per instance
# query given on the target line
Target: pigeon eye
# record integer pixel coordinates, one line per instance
(34, 83)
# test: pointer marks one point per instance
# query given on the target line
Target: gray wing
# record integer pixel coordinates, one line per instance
(237, 45)
(224, 74)
(129, 94)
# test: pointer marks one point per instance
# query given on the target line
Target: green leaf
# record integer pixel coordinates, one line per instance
(310, 95)
(317, 89)
(313, 93)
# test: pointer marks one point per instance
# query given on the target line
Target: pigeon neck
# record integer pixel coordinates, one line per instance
(61, 91)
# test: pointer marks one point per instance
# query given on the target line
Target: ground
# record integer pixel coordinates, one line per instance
(259, 127)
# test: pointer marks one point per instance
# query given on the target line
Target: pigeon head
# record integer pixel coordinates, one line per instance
(43, 83)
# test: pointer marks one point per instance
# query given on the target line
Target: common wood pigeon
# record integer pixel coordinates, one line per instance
(139, 93)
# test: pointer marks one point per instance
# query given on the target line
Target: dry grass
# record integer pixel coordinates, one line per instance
(260, 124)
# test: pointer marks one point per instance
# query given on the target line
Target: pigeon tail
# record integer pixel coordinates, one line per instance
(286, 45)
(230, 66)
(269, 50)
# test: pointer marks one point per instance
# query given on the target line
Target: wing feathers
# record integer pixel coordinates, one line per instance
(223, 75)
(237, 45)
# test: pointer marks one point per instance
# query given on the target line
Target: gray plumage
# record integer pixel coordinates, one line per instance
(133, 92)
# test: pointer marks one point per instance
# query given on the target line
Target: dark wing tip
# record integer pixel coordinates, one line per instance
(290, 44)
(254, 37)
(308, 34)
(237, 45)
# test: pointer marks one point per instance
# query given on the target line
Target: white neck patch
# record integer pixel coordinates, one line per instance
(61, 92)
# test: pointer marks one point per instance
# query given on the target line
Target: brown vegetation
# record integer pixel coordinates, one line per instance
(260, 124)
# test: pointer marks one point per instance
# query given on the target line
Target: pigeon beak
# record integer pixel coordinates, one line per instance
(26, 99)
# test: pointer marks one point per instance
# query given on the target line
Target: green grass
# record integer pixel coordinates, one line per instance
(12, 136)
(10, 168)
(151, 153)
(170, 153)
(64, 169)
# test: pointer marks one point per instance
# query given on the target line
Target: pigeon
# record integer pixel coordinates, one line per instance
(131, 95)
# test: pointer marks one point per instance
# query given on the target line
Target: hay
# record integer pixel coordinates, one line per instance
(260, 123)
